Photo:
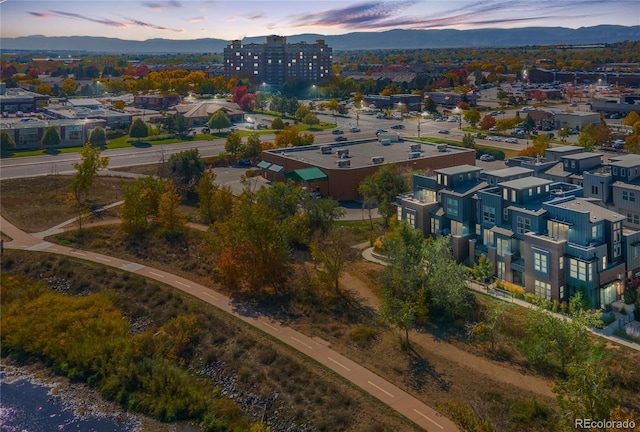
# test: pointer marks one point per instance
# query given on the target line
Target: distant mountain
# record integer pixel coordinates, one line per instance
(392, 39)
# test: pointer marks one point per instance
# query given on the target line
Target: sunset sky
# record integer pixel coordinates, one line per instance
(192, 19)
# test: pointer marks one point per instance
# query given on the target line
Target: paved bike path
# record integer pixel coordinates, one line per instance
(315, 348)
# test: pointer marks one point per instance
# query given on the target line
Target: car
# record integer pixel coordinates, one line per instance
(340, 138)
(487, 158)
(234, 128)
(354, 129)
(206, 130)
(494, 138)
(244, 163)
(619, 143)
(573, 105)
(493, 113)
(262, 126)
(511, 140)
(550, 134)
(397, 117)
(337, 132)
(492, 129)
(379, 131)
(501, 112)
(397, 126)
(444, 131)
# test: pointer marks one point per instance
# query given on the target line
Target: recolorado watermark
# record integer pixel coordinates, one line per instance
(603, 424)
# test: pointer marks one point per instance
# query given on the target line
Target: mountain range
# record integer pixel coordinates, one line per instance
(392, 39)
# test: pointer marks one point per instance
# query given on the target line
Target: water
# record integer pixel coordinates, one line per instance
(29, 407)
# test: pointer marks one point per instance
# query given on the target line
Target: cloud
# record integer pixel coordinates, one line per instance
(367, 14)
(197, 19)
(128, 23)
(161, 6)
(39, 14)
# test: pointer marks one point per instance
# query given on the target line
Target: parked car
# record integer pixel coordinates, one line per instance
(492, 129)
(619, 143)
(262, 126)
(494, 138)
(354, 129)
(493, 113)
(244, 163)
(444, 131)
(397, 126)
(501, 112)
(206, 130)
(550, 134)
(487, 158)
(337, 132)
(234, 128)
(379, 131)
(511, 140)
(340, 138)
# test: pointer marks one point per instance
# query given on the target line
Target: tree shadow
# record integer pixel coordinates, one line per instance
(141, 144)
(52, 151)
(422, 373)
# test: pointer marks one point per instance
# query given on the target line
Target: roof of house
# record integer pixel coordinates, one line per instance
(565, 149)
(458, 169)
(584, 155)
(596, 212)
(526, 183)
(510, 172)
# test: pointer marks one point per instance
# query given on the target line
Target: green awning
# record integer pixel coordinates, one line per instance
(275, 168)
(307, 175)
(264, 164)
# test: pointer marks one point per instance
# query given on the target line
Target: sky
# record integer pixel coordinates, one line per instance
(228, 20)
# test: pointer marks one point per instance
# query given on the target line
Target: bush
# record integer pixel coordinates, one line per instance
(607, 318)
(152, 138)
(113, 134)
(529, 411)
(498, 154)
(516, 290)
(363, 335)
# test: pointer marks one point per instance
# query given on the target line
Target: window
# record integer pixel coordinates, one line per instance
(596, 231)
(578, 269)
(523, 224)
(594, 190)
(561, 263)
(632, 196)
(604, 262)
(562, 293)
(634, 251)
(458, 229)
(501, 270)
(543, 289)
(488, 214)
(399, 214)
(617, 250)
(540, 262)
(488, 237)
(513, 196)
(615, 170)
(573, 164)
(558, 230)
(623, 172)
(435, 225)
(505, 194)
(505, 214)
(502, 246)
(411, 219)
(625, 195)
(452, 207)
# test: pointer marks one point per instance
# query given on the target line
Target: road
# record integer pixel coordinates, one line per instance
(313, 347)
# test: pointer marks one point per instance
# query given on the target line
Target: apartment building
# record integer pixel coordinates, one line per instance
(551, 237)
(273, 62)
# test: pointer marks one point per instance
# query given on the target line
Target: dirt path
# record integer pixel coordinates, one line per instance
(445, 351)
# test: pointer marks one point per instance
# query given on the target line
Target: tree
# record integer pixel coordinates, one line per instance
(631, 119)
(290, 137)
(252, 148)
(333, 106)
(185, 170)
(248, 102)
(564, 133)
(487, 122)
(177, 124)
(139, 129)
(508, 123)
(51, 137)
(483, 269)
(98, 137)
(472, 117)
(233, 145)
(383, 187)
(599, 134)
(238, 93)
(429, 105)
(493, 320)
(403, 295)
(310, 119)
(170, 219)
(277, 124)
(465, 417)
(82, 180)
(446, 280)
(586, 393)
(586, 140)
(468, 141)
(7, 144)
(219, 120)
(322, 214)
(301, 112)
(333, 251)
(206, 190)
(140, 203)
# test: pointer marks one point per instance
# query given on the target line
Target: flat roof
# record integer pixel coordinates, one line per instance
(34, 124)
(458, 169)
(509, 172)
(596, 213)
(584, 155)
(565, 149)
(526, 183)
(362, 151)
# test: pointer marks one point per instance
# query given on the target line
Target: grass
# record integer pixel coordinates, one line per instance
(361, 229)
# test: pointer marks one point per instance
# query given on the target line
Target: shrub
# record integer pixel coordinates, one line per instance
(498, 154)
(529, 411)
(514, 289)
(363, 335)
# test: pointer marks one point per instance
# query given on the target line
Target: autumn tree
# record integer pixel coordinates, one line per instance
(301, 112)
(290, 137)
(472, 117)
(277, 124)
(7, 144)
(332, 252)
(140, 204)
(508, 123)
(219, 120)
(598, 133)
(492, 322)
(238, 94)
(310, 119)
(51, 137)
(586, 140)
(487, 122)
(252, 148)
(382, 187)
(171, 220)
(98, 137)
(83, 179)
(139, 129)
(233, 144)
(248, 102)
(483, 269)
(539, 148)
(631, 119)
(214, 202)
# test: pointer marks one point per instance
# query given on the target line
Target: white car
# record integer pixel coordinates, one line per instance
(511, 140)
(234, 128)
(494, 138)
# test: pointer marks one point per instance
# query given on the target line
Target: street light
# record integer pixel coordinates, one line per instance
(316, 90)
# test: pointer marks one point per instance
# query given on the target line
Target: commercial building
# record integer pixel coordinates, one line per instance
(199, 113)
(344, 165)
(28, 134)
(17, 100)
(552, 234)
(276, 60)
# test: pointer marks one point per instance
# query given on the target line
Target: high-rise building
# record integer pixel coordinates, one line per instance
(276, 60)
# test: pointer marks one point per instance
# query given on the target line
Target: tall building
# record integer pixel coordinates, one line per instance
(276, 60)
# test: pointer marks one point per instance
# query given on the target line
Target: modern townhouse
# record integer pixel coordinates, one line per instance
(551, 237)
